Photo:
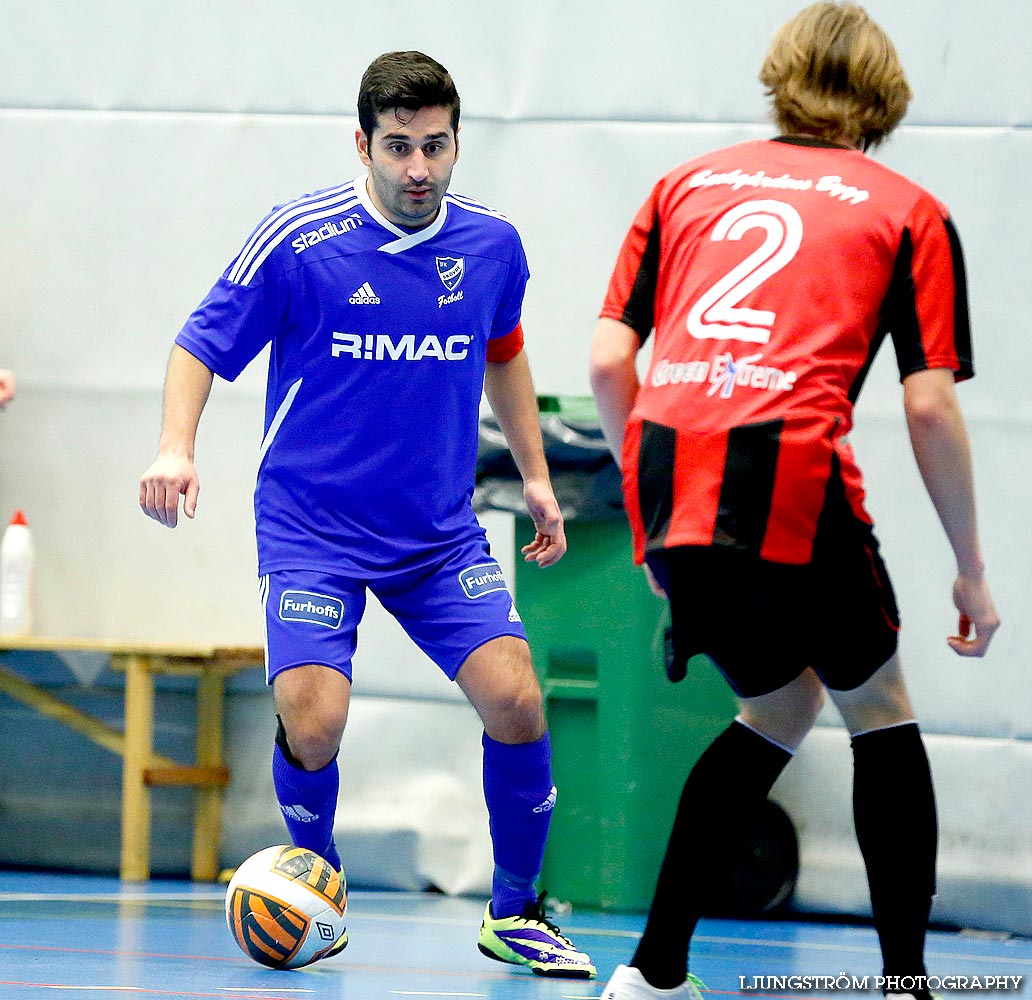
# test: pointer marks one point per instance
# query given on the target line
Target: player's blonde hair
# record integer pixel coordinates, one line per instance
(832, 72)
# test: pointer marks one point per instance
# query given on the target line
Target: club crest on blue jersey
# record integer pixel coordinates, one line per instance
(318, 609)
(484, 578)
(450, 270)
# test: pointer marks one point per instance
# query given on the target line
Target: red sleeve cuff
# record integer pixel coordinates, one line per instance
(507, 347)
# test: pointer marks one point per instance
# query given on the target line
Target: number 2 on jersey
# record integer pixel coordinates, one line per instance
(717, 314)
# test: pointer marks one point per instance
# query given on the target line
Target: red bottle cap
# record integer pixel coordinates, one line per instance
(19, 518)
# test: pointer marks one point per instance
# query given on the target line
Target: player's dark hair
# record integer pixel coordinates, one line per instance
(833, 72)
(406, 81)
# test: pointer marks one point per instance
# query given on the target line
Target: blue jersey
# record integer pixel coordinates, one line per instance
(379, 344)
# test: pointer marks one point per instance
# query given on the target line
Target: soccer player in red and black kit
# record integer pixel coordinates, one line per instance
(770, 272)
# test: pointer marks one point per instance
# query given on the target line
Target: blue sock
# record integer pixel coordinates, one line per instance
(308, 801)
(520, 796)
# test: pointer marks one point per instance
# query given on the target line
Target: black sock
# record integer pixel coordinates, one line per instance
(722, 798)
(894, 814)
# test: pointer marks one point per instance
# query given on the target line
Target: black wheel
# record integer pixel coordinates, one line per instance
(765, 876)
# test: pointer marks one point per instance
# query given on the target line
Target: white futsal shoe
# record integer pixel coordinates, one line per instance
(627, 983)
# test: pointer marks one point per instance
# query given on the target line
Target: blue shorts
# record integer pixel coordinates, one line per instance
(449, 609)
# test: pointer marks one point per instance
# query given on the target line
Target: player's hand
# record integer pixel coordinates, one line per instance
(978, 617)
(6, 387)
(549, 545)
(168, 478)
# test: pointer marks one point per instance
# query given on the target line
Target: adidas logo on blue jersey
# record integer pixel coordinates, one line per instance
(365, 296)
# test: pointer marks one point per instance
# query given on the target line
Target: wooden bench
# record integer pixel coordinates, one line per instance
(142, 768)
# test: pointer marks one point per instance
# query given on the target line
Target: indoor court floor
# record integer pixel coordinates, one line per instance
(93, 938)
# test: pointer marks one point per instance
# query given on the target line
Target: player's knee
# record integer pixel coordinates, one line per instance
(312, 705)
(310, 746)
(529, 716)
(880, 701)
(314, 735)
(786, 716)
(887, 708)
(519, 718)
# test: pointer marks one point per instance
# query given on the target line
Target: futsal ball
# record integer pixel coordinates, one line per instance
(286, 907)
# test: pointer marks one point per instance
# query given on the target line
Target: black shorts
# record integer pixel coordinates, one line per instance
(764, 623)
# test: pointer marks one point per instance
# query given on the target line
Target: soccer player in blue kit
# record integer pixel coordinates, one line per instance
(391, 303)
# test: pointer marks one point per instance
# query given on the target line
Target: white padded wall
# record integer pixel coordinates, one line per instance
(984, 853)
(140, 142)
(666, 60)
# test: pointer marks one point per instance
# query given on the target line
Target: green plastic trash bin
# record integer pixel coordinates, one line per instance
(623, 737)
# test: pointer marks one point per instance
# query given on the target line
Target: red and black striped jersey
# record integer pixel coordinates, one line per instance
(771, 271)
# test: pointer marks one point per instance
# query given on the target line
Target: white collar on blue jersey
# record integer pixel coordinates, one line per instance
(404, 240)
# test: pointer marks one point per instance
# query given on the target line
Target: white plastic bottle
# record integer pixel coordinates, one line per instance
(17, 577)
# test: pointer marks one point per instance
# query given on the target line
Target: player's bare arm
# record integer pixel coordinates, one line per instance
(172, 473)
(939, 439)
(614, 378)
(615, 383)
(510, 391)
